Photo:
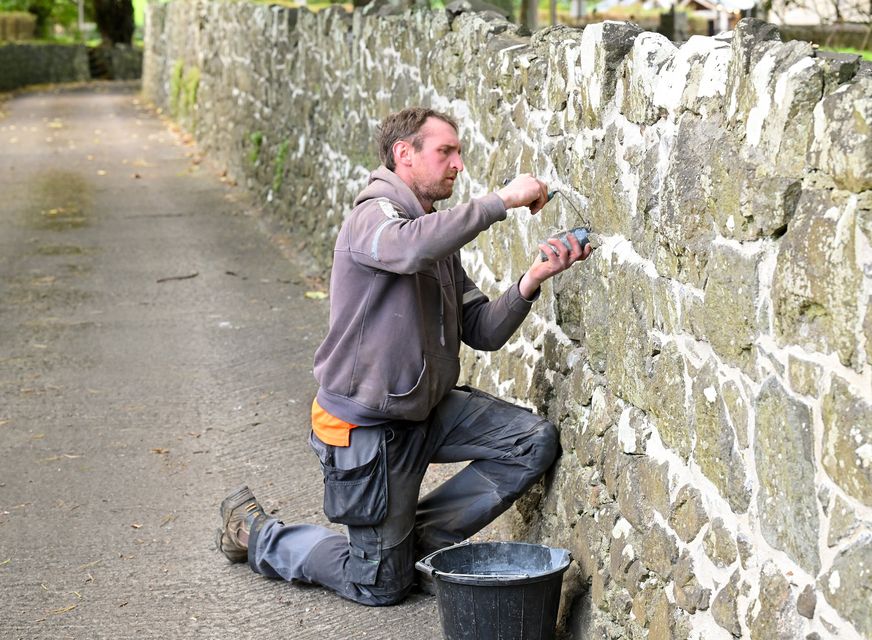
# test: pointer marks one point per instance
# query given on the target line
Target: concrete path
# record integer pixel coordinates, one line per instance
(155, 350)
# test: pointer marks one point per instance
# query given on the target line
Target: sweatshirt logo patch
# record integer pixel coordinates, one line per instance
(387, 208)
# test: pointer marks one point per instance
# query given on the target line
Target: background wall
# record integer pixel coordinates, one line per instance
(24, 64)
(710, 367)
(37, 63)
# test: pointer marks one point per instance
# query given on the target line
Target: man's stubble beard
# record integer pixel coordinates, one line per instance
(434, 192)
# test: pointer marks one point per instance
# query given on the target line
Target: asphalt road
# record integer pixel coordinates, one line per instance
(155, 350)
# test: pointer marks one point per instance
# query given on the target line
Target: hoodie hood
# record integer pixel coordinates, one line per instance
(384, 183)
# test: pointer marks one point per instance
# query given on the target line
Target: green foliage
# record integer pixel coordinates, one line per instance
(256, 140)
(184, 84)
(281, 158)
(190, 85)
(176, 86)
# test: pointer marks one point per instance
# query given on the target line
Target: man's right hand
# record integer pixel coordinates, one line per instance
(525, 191)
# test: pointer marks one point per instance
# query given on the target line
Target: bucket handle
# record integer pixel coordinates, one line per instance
(423, 565)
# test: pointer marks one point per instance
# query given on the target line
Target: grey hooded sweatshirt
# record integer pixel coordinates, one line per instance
(401, 303)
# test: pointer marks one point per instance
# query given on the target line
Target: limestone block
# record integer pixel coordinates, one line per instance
(716, 452)
(725, 606)
(642, 487)
(838, 68)
(843, 522)
(688, 593)
(658, 551)
(774, 615)
(731, 297)
(613, 189)
(629, 341)
(719, 544)
(603, 47)
(688, 515)
(667, 399)
(695, 78)
(806, 602)
(613, 462)
(867, 330)
(784, 454)
(842, 146)
(847, 586)
(634, 430)
(586, 547)
(805, 376)
(561, 45)
(640, 76)
(746, 198)
(666, 621)
(685, 225)
(816, 284)
(752, 39)
(622, 554)
(847, 446)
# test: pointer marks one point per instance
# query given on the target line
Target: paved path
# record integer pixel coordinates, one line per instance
(131, 401)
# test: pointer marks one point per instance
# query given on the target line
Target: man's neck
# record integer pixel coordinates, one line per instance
(406, 177)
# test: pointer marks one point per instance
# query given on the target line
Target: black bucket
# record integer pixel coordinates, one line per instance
(497, 590)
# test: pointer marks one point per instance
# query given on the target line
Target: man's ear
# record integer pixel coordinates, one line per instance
(402, 151)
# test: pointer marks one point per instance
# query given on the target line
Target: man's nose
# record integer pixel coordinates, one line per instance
(457, 163)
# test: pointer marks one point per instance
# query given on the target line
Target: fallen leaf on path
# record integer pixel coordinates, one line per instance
(135, 176)
(170, 518)
(101, 172)
(136, 525)
(123, 604)
(3, 422)
(90, 564)
(186, 277)
(6, 561)
(160, 450)
(315, 295)
(44, 587)
(77, 594)
(57, 612)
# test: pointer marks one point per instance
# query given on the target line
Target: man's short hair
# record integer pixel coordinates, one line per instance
(405, 125)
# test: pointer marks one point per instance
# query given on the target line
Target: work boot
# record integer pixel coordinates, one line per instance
(239, 510)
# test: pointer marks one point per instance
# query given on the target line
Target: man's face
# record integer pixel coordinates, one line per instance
(436, 165)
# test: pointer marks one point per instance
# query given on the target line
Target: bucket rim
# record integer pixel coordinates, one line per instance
(426, 567)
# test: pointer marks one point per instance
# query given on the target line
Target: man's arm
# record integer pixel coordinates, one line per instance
(488, 325)
(381, 237)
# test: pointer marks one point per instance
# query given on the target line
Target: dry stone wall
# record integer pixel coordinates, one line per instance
(710, 367)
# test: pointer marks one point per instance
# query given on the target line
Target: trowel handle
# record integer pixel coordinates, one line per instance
(551, 193)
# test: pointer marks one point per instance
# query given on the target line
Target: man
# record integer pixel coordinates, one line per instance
(400, 305)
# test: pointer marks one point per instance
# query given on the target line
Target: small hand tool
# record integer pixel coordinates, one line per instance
(580, 233)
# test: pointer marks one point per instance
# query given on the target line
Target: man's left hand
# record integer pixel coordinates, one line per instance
(559, 259)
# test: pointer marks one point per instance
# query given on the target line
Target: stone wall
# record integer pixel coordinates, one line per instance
(24, 64)
(710, 367)
(38, 63)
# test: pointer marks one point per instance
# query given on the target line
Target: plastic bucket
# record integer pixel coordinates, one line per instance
(497, 590)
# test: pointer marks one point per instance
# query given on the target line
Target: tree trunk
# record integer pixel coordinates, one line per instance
(529, 13)
(114, 20)
(553, 9)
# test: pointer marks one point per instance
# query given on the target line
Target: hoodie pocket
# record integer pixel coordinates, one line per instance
(437, 377)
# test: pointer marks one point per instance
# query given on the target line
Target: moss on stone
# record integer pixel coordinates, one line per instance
(256, 140)
(281, 159)
(176, 86)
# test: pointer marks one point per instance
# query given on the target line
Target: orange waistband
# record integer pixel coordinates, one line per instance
(329, 428)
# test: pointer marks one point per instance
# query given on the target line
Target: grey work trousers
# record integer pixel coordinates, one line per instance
(509, 449)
